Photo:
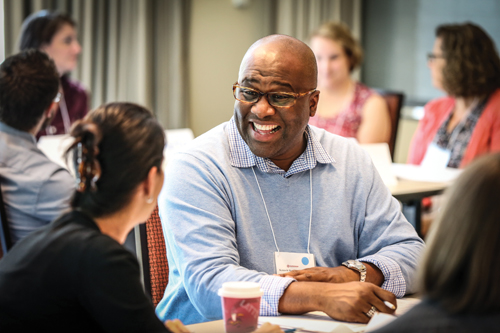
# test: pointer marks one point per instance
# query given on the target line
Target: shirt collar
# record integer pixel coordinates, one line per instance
(15, 132)
(242, 157)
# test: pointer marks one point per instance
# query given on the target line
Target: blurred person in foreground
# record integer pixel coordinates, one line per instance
(347, 107)
(461, 267)
(265, 193)
(55, 34)
(75, 272)
(35, 189)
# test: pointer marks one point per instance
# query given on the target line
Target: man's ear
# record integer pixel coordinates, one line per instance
(313, 103)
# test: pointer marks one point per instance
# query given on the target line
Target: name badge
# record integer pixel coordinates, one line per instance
(436, 157)
(288, 261)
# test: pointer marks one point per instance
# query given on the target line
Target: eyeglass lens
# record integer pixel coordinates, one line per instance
(274, 98)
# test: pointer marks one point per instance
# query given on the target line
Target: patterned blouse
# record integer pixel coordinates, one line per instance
(458, 139)
(347, 122)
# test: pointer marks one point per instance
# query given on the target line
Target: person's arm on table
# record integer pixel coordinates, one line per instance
(339, 274)
(389, 246)
(342, 301)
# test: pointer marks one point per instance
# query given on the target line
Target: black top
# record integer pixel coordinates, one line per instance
(69, 277)
(429, 317)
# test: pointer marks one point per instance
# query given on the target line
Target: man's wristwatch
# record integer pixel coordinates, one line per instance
(358, 266)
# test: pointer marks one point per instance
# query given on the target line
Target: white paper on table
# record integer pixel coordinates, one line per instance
(405, 304)
(379, 320)
(422, 174)
(316, 321)
(381, 158)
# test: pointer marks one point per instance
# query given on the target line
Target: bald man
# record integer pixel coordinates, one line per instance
(267, 198)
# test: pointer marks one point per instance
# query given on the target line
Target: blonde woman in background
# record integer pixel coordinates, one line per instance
(346, 107)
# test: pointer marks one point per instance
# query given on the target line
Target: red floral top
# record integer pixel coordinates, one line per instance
(347, 122)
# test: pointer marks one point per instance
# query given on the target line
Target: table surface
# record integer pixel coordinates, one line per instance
(310, 322)
(406, 190)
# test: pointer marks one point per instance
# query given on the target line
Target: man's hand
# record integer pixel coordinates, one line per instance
(176, 326)
(342, 301)
(338, 274)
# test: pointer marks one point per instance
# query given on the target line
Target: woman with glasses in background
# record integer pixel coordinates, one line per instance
(466, 123)
(55, 34)
(346, 107)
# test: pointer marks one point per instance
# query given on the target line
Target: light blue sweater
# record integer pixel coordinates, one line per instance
(217, 230)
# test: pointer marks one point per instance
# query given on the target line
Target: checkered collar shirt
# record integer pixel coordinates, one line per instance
(242, 157)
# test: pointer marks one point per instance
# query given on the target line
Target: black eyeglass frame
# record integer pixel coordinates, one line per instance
(261, 94)
(433, 56)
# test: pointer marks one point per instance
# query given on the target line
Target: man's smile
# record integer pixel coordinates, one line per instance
(264, 132)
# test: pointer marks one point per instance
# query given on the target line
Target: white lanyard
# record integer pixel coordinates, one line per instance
(63, 108)
(269, 218)
(65, 115)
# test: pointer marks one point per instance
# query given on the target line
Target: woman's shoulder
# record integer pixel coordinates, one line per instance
(440, 101)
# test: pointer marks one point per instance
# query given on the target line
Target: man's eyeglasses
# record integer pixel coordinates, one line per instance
(57, 98)
(433, 56)
(278, 99)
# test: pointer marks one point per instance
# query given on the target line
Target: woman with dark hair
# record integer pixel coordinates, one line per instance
(455, 129)
(55, 34)
(74, 274)
(460, 272)
(346, 107)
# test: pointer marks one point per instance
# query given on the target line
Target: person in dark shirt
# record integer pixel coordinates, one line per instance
(74, 274)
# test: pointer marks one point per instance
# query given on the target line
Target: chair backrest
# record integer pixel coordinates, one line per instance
(394, 101)
(154, 257)
(5, 239)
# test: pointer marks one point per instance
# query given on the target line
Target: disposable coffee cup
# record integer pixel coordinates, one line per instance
(240, 306)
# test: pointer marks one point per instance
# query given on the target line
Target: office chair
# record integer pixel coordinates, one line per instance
(5, 239)
(394, 102)
(154, 257)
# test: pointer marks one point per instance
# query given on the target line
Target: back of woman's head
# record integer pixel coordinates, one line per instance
(461, 268)
(340, 33)
(115, 147)
(472, 63)
(39, 28)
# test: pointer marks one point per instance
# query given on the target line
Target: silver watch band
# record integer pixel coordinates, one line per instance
(358, 266)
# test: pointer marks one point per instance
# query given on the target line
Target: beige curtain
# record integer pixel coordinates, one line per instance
(132, 50)
(299, 18)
